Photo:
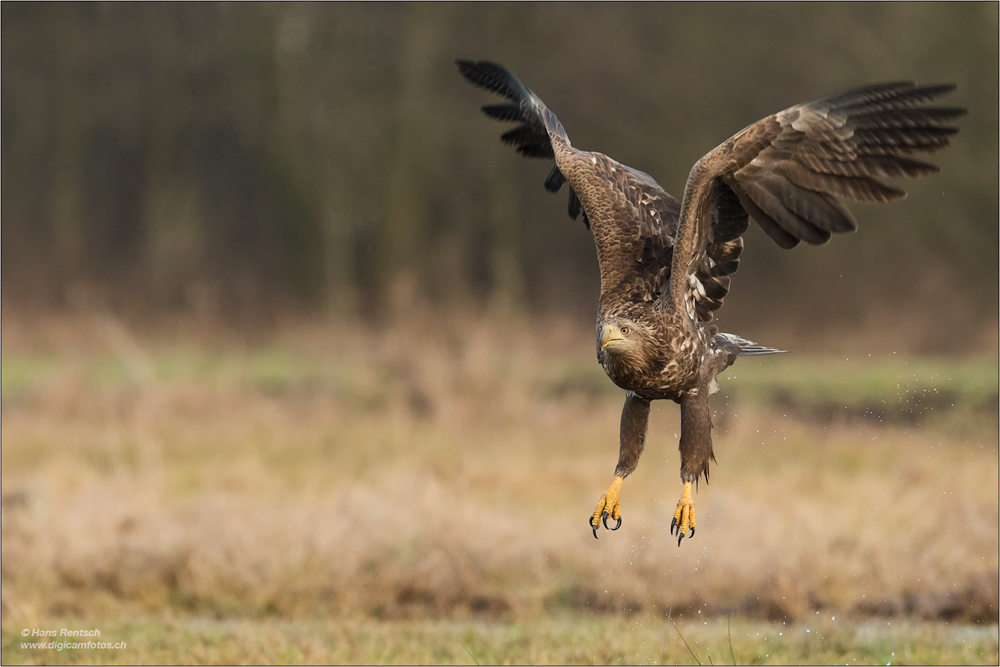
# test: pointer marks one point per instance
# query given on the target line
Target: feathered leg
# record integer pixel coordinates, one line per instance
(696, 452)
(635, 419)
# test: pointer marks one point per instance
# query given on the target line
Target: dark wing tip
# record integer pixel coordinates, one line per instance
(468, 66)
(465, 66)
(950, 113)
(494, 78)
(937, 89)
(504, 112)
(474, 70)
(555, 180)
(866, 93)
(893, 94)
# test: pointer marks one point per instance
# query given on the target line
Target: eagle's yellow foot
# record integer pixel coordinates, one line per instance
(608, 506)
(683, 515)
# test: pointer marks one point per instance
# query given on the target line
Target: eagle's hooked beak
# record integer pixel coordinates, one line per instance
(611, 335)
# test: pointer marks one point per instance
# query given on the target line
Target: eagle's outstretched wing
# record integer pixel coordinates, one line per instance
(788, 170)
(633, 220)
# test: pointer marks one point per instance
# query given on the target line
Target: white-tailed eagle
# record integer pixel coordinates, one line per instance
(666, 265)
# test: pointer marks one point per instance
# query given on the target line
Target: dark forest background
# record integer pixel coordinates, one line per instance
(266, 160)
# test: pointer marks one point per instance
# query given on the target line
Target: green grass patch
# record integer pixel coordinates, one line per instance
(20, 372)
(577, 639)
(864, 379)
(872, 379)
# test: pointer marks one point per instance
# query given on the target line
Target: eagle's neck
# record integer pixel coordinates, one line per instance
(634, 368)
(662, 366)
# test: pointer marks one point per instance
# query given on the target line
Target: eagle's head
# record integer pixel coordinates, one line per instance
(625, 348)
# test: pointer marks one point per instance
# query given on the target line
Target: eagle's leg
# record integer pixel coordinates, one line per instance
(608, 506)
(683, 515)
(696, 452)
(635, 419)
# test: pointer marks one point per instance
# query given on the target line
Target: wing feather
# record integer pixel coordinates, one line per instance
(815, 208)
(857, 188)
(770, 226)
(633, 220)
(771, 195)
(868, 166)
(788, 170)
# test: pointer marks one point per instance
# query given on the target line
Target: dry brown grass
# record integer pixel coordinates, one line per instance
(432, 471)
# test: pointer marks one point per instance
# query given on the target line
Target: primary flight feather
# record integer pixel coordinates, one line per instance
(666, 265)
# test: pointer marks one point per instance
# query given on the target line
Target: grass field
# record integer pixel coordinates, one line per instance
(561, 639)
(419, 495)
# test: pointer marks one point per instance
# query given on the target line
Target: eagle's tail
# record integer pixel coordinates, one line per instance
(539, 126)
(748, 348)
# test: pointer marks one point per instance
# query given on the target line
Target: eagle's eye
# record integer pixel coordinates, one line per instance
(624, 331)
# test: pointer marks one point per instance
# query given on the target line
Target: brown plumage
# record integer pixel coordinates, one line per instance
(666, 265)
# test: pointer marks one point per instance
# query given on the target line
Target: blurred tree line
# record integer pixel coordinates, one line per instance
(255, 158)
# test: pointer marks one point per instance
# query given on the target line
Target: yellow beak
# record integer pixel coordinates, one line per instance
(611, 335)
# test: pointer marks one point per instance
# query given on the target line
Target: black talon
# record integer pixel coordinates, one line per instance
(617, 526)
(673, 522)
(590, 522)
(604, 519)
(692, 533)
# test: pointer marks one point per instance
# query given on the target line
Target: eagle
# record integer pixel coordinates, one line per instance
(666, 265)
